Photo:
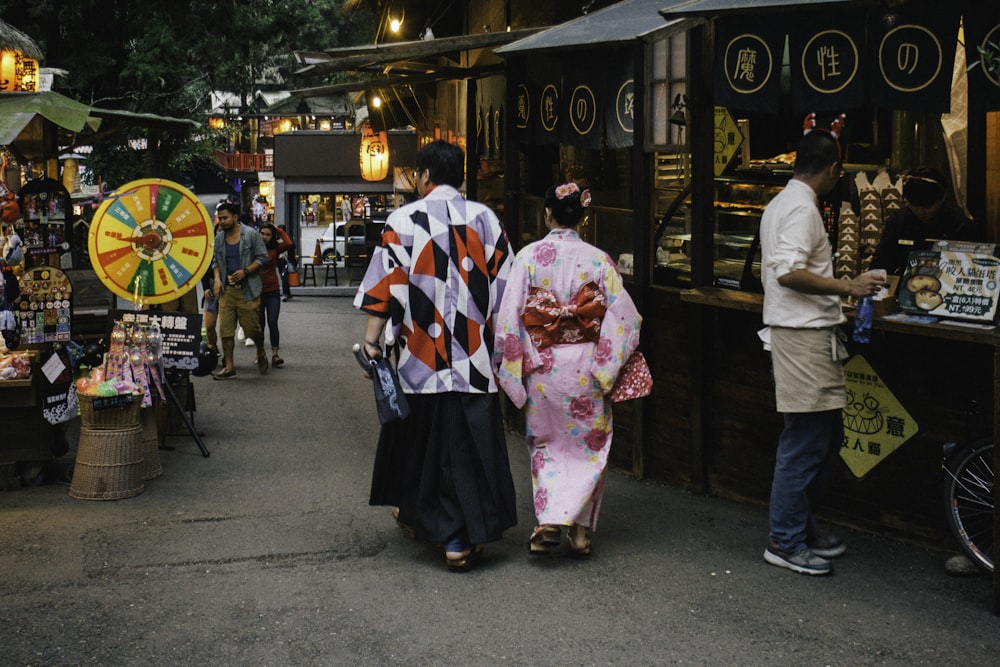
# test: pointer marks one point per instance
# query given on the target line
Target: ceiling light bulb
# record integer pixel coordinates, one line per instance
(394, 24)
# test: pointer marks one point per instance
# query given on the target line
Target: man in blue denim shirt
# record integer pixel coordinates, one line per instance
(239, 256)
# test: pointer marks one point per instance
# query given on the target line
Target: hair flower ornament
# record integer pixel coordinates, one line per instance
(566, 189)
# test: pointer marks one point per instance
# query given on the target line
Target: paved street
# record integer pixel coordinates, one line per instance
(267, 553)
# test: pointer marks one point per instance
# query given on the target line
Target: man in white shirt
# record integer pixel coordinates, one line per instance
(802, 310)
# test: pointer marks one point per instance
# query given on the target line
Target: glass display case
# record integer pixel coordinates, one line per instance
(739, 204)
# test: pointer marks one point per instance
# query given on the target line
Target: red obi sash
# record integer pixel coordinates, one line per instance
(579, 321)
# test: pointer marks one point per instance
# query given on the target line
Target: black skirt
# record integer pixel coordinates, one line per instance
(446, 468)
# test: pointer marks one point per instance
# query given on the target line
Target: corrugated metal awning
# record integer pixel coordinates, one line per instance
(690, 8)
(620, 23)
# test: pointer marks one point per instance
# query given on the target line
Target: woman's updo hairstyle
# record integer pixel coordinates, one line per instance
(567, 202)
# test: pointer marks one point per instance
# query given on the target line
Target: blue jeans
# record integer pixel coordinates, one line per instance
(808, 444)
(270, 308)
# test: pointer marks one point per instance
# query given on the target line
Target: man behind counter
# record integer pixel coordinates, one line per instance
(926, 215)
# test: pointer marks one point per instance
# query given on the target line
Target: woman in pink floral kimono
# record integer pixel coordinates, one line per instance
(565, 328)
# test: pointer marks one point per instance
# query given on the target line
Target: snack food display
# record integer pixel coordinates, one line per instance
(15, 366)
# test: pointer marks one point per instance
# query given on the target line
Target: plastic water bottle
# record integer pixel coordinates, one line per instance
(863, 320)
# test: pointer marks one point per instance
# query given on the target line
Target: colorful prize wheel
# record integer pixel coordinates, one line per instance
(151, 238)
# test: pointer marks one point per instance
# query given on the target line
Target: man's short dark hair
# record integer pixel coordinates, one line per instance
(234, 209)
(816, 152)
(444, 162)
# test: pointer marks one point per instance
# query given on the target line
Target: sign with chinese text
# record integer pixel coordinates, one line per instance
(18, 74)
(548, 113)
(875, 424)
(955, 280)
(748, 71)
(728, 139)
(913, 57)
(181, 333)
(826, 65)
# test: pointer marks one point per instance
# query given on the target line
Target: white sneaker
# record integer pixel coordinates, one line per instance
(249, 342)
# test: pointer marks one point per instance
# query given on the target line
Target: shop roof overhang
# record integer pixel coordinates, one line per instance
(623, 22)
(709, 8)
(17, 110)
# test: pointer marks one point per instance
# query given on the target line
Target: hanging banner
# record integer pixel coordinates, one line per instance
(619, 108)
(912, 59)
(525, 101)
(826, 64)
(749, 55)
(583, 103)
(982, 52)
(546, 128)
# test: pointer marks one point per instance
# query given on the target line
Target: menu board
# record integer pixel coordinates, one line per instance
(44, 308)
(181, 334)
(954, 280)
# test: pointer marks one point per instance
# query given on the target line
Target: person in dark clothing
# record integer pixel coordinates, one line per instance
(927, 214)
(287, 263)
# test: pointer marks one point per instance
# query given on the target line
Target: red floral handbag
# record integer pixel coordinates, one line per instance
(634, 380)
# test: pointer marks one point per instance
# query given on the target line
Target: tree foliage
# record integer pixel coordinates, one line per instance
(167, 57)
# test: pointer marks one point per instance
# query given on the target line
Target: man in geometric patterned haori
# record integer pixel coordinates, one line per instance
(433, 287)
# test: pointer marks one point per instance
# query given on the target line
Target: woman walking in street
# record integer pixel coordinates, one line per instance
(565, 328)
(276, 241)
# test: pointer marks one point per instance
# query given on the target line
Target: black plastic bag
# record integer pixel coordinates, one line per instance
(390, 401)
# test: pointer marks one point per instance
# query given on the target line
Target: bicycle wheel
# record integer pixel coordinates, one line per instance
(968, 498)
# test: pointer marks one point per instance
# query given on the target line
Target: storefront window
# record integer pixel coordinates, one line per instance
(667, 91)
(671, 219)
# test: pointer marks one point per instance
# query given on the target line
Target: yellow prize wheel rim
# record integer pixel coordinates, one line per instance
(151, 237)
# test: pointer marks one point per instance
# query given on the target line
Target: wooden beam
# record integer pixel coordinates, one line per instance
(355, 57)
(391, 82)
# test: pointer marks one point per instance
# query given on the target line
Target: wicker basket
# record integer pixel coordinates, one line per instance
(108, 464)
(123, 415)
(151, 468)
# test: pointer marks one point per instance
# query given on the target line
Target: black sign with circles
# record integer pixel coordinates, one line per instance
(913, 57)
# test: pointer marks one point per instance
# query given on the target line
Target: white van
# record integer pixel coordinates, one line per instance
(333, 243)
